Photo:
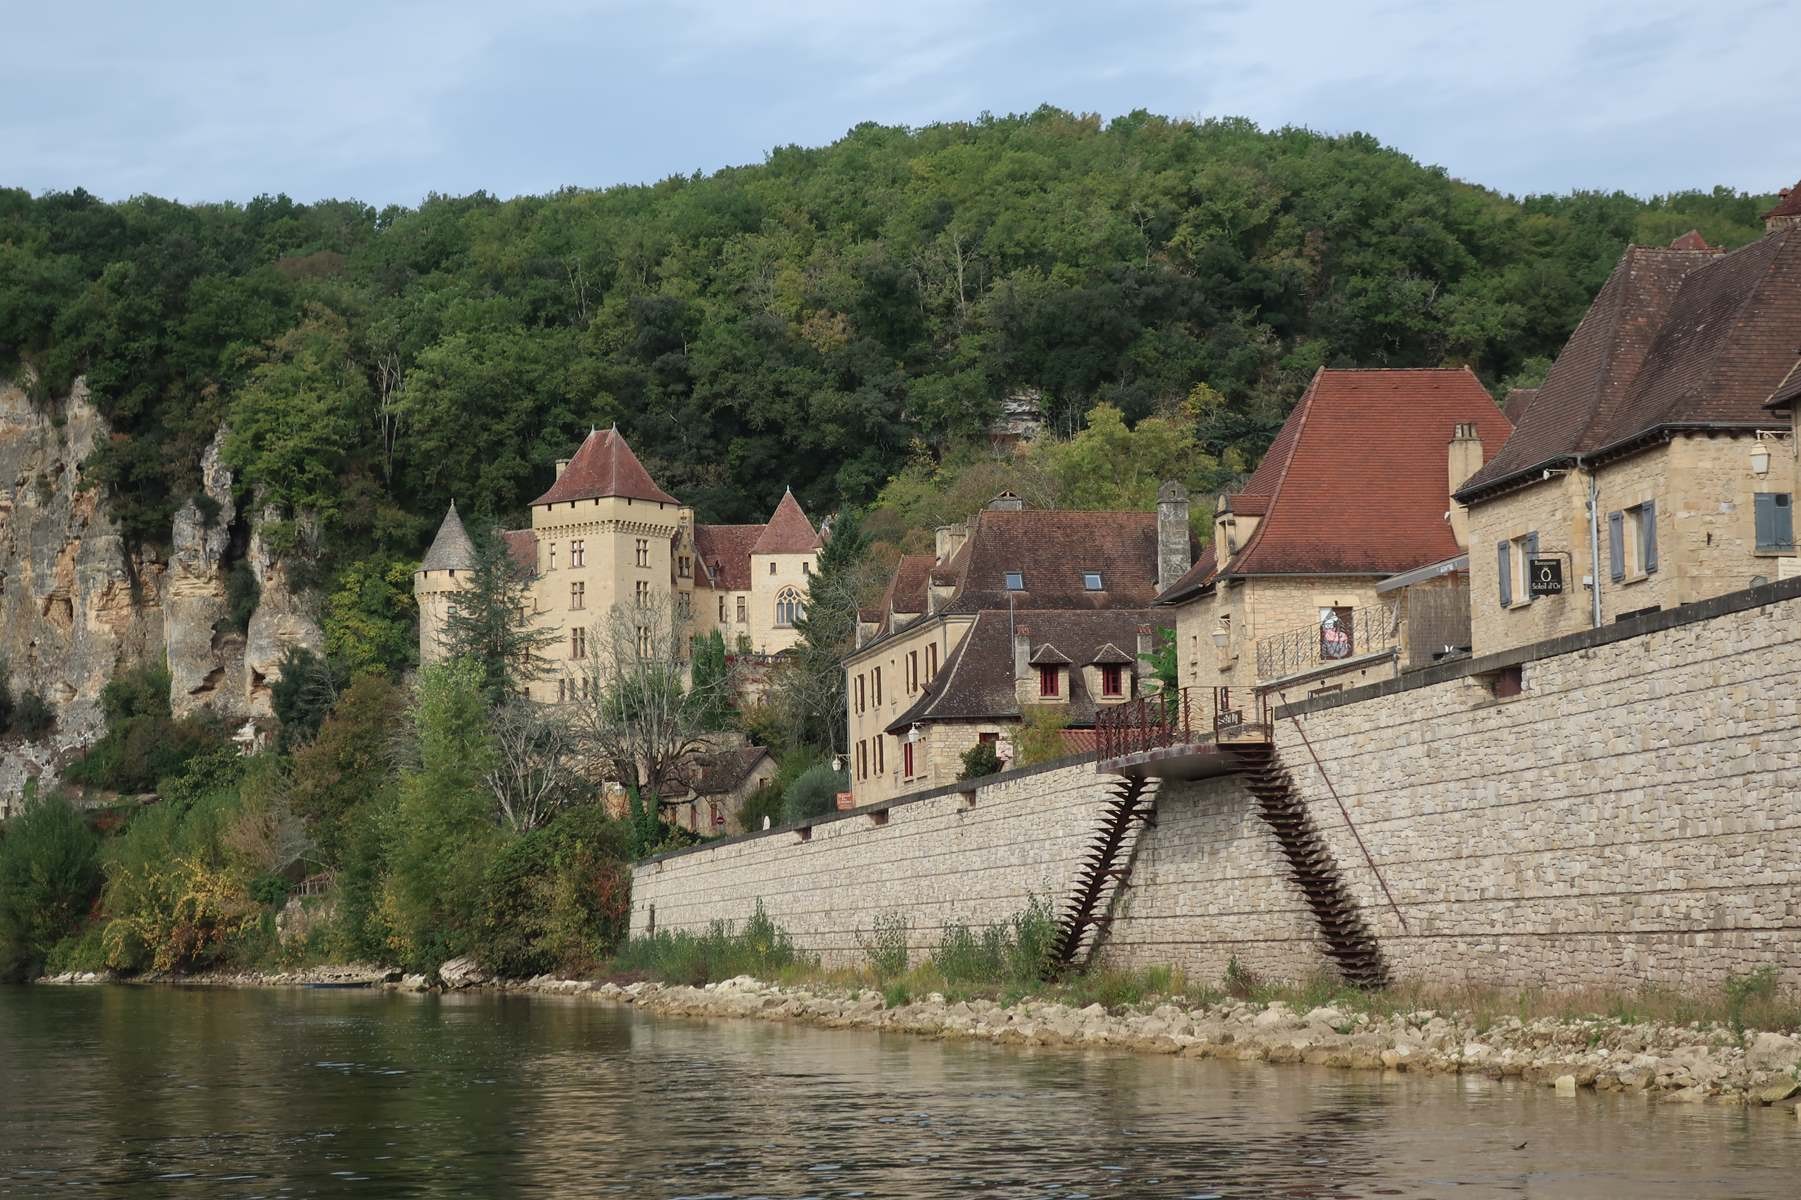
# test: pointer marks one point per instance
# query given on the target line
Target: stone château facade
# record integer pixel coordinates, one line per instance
(605, 534)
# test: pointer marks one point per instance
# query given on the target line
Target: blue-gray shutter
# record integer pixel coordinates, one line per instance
(1647, 535)
(1785, 521)
(1616, 545)
(1506, 574)
(1530, 552)
(1766, 520)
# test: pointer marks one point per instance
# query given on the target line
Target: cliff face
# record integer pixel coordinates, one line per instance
(74, 612)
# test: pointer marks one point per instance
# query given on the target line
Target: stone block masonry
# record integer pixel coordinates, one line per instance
(1632, 816)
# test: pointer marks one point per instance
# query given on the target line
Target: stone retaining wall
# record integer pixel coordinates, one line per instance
(1633, 815)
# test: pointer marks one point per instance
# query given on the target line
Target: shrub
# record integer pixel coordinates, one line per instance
(1039, 738)
(143, 743)
(980, 760)
(1013, 953)
(761, 948)
(887, 947)
(49, 875)
(813, 794)
(765, 802)
(345, 767)
(556, 898)
(305, 689)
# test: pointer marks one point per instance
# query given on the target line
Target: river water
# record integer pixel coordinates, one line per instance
(310, 1092)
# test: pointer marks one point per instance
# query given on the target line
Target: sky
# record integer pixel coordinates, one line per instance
(387, 101)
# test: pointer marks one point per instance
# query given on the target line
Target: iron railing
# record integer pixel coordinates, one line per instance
(1323, 643)
(1178, 717)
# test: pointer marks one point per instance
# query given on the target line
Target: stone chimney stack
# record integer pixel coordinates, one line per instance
(1006, 502)
(1022, 651)
(1146, 644)
(1465, 459)
(1173, 559)
(562, 465)
(1787, 213)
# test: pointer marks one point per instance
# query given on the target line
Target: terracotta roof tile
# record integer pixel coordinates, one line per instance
(1051, 550)
(1788, 203)
(907, 587)
(604, 466)
(522, 545)
(788, 531)
(724, 551)
(1366, 482)
(1692, 240)
(722, 771)
(976, 681)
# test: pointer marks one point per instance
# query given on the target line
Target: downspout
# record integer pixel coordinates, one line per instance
(1594, 541)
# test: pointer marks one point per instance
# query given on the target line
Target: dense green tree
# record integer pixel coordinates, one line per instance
(812, 680)
(49, 875)
(484, 624)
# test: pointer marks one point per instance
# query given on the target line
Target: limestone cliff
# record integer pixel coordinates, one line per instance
(74, 610)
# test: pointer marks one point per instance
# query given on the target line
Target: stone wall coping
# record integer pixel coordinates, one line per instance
(1569, 643)
(865, 810)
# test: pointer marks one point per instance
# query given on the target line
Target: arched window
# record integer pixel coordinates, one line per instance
(788, 608)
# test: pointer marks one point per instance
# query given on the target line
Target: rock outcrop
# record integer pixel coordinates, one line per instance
(206, 653)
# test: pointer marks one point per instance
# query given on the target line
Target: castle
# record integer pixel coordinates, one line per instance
(605, 534)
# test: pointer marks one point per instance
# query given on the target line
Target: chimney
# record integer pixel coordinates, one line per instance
(947, 540)
(1787, 213)
(562, 465)
(1022, 651)
(1006, 502)
(1464, 460)
(1173, 558)
(1145, 644)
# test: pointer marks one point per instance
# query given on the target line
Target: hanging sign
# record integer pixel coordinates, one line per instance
(1544, 577)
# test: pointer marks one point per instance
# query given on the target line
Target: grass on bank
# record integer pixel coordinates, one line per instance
(1002, 963)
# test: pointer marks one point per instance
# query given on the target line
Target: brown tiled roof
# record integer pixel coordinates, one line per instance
(451, 549)
(522, 545)
(1109, 655)
(1692, 240)
(1788, 203)
(604, 466)
(1675, 339)
(724, 550)
(1787, 392)
(1048, 655)
(907, 587)
(788, 531)
(1516, 404)
(976, 681)
(1052, 549)
(1366, 482)
(722, 771)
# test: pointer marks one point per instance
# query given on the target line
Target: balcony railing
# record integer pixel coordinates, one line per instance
(1178, 717)
(1348, 633)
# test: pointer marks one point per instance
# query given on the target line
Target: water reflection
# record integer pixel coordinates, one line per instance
(147, 1092)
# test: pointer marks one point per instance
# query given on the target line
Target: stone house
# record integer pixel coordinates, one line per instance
(719, 782)
(603, 534)
(1016, 607)
(1648, 450)
(1341, 559)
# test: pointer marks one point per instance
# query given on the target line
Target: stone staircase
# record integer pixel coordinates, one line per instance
(1106, 868)
(1350, 942)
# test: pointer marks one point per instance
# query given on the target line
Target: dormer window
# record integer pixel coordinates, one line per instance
(1091, 581)
(1015, 581)
(1048, 688)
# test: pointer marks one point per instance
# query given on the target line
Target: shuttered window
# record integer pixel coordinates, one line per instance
(1616, 546)
(1504, 557)
(1775, 521)
(1647, 536)
(1528, 552)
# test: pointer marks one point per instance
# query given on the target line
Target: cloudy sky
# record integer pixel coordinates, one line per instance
(386, 101)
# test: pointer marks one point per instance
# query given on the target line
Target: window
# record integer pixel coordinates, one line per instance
(684, 605)
(643, 546)
(644, 642)
(1015, 581)
(1091, 581)
(907, 760)
(562, 690)
(722, 610)
(881, 757)
(862, 760)
(860, 694)
(1632, 541)
(806, 566)
(1047, 682)
(578, 595)
(578, 553)
(553, 556)
(1111, 680)
(743, 619)
(875, 686)
(641, 592)
(931, 662)
(1775, 522)
(772, 568)
(912, 671)
(1514, 564)
(1337, 633)
(787, 608)
(989, 739)
(681, 566)
(578, 642)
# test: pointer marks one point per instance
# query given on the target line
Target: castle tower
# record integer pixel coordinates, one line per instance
(443, 571)
(782, 560)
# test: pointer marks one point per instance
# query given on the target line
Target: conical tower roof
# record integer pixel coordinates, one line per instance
(788, 531)
(451, 550)
(604, 466)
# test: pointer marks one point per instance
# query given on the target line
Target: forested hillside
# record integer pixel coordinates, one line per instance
(821, 319)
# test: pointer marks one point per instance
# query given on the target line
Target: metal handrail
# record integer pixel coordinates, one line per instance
(1178, 717)
(1370, 629)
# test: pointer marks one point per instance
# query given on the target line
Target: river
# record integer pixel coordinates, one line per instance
(310, 1092)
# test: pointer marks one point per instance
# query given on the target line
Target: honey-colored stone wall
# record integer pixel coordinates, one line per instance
(1632, 816)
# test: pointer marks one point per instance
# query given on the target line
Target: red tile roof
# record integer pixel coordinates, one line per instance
(1366, 482)
(1692, 240)
(788, 531)
(522, 545)
(724, 552)
(1675, 338)
(604, 466)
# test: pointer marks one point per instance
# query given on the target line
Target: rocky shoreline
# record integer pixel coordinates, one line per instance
(1675, 1063)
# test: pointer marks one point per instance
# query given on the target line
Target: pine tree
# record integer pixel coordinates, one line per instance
(487, 623)
(828, 631)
